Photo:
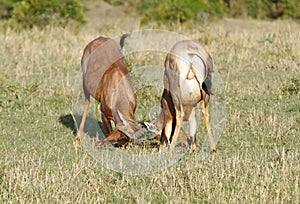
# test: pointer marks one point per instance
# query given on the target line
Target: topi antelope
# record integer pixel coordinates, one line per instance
(187, 81)
(105, 78)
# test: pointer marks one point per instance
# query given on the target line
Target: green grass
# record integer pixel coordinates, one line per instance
(258, 154)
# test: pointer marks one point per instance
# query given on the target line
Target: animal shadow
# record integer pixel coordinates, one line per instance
(93, 127)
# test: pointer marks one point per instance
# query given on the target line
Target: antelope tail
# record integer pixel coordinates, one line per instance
(203, 76)
(122, 39)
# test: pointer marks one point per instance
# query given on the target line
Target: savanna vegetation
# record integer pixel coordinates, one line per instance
(258, 152)
(28, 13)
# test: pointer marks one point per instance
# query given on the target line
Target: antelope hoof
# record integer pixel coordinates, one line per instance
(103, 143)
(193, 147)
(79, 136)
(78, 139)
(98, 143)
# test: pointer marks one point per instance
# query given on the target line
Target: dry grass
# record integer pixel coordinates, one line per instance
(258, 153)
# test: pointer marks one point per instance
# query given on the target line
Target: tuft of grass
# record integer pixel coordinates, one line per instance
(293, 87)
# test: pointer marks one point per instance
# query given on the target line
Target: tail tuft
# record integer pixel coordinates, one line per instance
(122, 39)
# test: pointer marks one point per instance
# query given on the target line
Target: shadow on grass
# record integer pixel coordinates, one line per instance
(92, 127)
(95, 129)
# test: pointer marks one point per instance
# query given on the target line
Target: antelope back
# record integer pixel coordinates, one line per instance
(99, 56)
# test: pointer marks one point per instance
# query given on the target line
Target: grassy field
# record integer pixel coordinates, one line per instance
(258, 154)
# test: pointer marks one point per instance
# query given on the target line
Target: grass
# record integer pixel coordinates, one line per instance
(258, 154)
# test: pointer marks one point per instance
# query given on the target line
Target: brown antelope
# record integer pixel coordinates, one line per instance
(105, 78)
(187, 81)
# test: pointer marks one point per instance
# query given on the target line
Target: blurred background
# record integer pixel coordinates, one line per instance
(19, 14)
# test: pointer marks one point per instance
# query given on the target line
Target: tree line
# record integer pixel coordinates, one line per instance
(29, 13)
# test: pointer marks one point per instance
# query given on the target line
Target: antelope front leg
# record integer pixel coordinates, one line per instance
(207, 124)
(106, 123)
(81, 128)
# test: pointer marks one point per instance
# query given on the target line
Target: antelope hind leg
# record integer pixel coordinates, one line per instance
(207, 124)
(167, 123)
(193, 129)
